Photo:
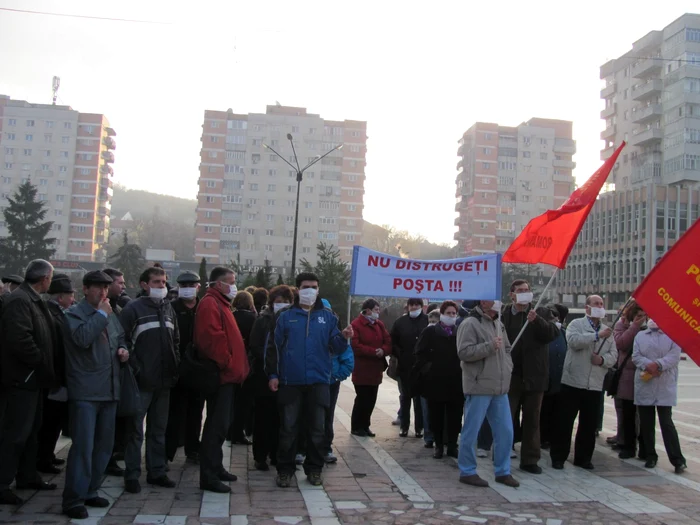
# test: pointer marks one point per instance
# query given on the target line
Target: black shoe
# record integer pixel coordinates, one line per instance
(37, 485)
(419, 434)
(680, 468)
(650, 463)
(532, 469)
(242, 441)
(132, 486)
(262, 465)
(403, 433)
(558, 465)
(47, 468)
(626, 454)
(452, 451)
(76, 513)
(161, 481)
(438, 454)
(98, 502)
(546, 445)
(8, 497)
(616, 447)
(370, 433)
(359, 433)
(428, 444)
(215, 486)
(114, 470)
(283, 481)
(587, 466)
(314, 478)
(58, 462)
(193, 457)
(227, 476)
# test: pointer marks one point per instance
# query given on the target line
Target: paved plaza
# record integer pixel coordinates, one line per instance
(392, 480)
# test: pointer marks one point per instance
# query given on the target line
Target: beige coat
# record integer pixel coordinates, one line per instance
(485, 370)
(579, 372)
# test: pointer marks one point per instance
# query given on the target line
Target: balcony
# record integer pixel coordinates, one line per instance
(106, 169)
(460, 150)
(566, 146)
(649, 89)
(608, 133)
(505, 233)
(109, 142)
(609, 111)
(605, 153)
(562, 178)
(460, 164)
(505, 217)
(647, 67)
(645, 137)
(560, 163)
(111, 132)
(609, 90)
(108, 156)
(507, 187)
(647, 113)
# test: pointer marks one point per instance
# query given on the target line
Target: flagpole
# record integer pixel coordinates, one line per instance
(536, 306)
(349, 306)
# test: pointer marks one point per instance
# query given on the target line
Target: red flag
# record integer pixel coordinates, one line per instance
(670, 294)
(549, 238)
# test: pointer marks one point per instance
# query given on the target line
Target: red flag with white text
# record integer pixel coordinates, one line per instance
(550, 237)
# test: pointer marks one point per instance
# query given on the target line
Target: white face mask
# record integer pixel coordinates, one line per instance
(448, 320)
(558, 324)
(523, 298)
(232, 291)
(651, 325)
(414, 313)
(187, 293)
(158, 293)
(497, 305)
(307, 296)
(278, 306)
(373, 315)
(597, 313)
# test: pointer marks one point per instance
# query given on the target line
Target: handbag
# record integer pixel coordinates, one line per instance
(197, 372)
(615, 374)
(393, 370)
(130, 395)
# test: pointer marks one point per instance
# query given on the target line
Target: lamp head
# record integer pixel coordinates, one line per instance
(289, 136)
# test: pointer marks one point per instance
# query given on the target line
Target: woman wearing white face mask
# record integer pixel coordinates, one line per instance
(265, 418)
(371, 343)
(440, 375)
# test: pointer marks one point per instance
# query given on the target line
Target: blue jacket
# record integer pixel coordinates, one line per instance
(299, 349)
(557, 354)
(343, 365)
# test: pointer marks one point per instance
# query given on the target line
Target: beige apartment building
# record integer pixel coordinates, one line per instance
(652, 101)
(67, 155)
(247, 195)
(507, 176)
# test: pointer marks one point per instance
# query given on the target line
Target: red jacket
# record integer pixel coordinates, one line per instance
(369, 369)
(218, 338)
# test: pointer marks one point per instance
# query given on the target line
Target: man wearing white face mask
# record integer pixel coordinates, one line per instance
(152, 338)
(591, 352)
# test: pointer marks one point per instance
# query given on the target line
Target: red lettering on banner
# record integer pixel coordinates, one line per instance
(373, 260)
(419, 285)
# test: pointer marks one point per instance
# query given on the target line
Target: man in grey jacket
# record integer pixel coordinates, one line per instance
(591, 352)
(94, 348)
(484, 350)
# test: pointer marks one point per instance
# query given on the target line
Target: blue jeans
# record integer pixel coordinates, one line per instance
(156, 405)
(497, 410)
(427, 432)
(92, 432)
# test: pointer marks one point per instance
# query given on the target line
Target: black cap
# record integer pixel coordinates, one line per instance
(12, 278)
(96, 277)
(188, 277)
(60, 283)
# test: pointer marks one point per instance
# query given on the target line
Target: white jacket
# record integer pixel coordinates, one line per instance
(579, 372)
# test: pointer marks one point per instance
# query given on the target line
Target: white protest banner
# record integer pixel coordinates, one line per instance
(382, 275)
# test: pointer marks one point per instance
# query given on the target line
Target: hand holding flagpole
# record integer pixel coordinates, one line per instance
(535, 308)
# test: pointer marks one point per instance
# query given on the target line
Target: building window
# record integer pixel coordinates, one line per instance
(211, 184)
(543, 185)
(543, 156)
(271, 187)
(12, 122)
(526, 154)
(272, 173)
(60, 198)
(65, 140)
(253, 187)
(485, 180)
(27, 152)
(29, 137)
(30, 123)
(10, 136)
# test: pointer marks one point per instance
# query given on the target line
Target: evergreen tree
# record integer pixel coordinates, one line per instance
(280, 279)
(28, 232)
(203, 276)
(334, 277)
(129, 259)
(263, 278)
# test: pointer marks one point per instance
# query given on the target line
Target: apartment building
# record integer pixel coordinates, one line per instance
(247, 194)
(67, 155)
(507, 176)
(652, 101)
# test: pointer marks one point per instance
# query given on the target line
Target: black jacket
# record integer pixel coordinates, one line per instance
(436, 356)
(245, 320)
(257, 343)
(531, 354)
(185, 322)
(28, 336)
(59, 353)
(404, 336)
(152, 338)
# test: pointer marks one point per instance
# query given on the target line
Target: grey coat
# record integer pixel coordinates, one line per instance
(583, 342)
(654, 346)
(92, 365)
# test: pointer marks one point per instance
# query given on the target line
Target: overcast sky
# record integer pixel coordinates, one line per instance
(419, 73)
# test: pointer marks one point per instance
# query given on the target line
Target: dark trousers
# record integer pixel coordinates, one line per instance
(92, 433)
(266, 428)
(586, 405)
(484, 439)
(184, 421)
(365, 399)
(54, 419)
(154, 405)
(406, 400)
(629, 428)
(211, 455)
(334, 391)
(527, 404)
(120, 426)
(647, 427)
(242, 408)
(18, 436)
(601, 411)
(446, 415)
(313, 401)
(549, 415)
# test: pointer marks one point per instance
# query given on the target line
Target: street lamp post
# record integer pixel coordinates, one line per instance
(300, 175)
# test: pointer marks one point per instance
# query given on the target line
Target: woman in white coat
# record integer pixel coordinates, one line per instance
(656, 391)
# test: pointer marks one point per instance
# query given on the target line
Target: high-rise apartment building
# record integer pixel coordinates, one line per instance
(247, 194)
(507, 176)
(67, 155)
(652, 101)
